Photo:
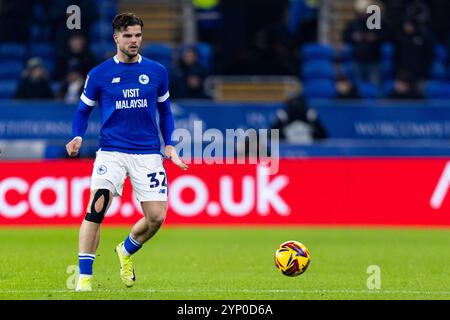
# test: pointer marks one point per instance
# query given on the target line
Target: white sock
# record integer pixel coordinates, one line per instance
(125, 252)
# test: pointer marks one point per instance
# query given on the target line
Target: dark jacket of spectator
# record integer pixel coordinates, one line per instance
(298, 124)
(366, 43)
(414, 50)
(345, 89)
(57, 16)
(77, 56)
(188, 77)
(35, 83)
(72, 87)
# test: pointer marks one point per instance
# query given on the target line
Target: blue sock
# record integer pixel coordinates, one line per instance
(131, 246)
(85, 262)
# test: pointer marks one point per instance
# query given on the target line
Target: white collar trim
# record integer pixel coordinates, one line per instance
(116, 60)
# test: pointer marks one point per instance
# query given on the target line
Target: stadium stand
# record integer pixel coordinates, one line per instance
(315, 51)
(8, 88)
(162, 53)
(319, 89)
(169, 30)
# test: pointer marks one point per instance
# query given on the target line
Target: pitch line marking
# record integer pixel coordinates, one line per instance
(380, 291)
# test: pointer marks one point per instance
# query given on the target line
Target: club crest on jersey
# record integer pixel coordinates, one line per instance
(143, 78)
(101, 169)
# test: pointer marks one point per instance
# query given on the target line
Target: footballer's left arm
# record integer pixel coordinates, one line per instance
(167, 123)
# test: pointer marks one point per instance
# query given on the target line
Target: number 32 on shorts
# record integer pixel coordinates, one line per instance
(155, 182)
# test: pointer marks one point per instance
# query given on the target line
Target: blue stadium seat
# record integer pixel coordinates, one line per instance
(345, 53)
(347, 68)
(367, 90)
(387, 51)
(107, 9)
(437, 70)
(45, 50)
(101, 2)
(205, 54)
(318, 69)
(101, 31)
(10, 70)
(40, 33)
(387, 69)
(49, 65)
(160, 53)
(55, 86)
(35, 32)
(440, 53)
(204, 51)
(8, 88)
(314, 51)
(387, 87)
(158, 50)
(437, 90)
(12, 50)
(103, 50)
(319, 89)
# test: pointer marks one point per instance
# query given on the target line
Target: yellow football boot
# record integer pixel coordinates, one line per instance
(84, 284)
(126, 267)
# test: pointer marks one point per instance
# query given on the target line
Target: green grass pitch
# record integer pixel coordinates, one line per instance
(184, 263)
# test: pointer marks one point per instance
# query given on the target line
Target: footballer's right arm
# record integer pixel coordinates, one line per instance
(80, 120)
(79, 126)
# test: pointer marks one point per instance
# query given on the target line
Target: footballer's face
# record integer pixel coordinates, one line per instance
(129, 41)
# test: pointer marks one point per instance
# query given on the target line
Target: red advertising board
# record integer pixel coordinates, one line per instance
(364, 191)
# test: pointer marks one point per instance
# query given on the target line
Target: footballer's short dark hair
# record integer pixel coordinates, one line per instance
(122, 21)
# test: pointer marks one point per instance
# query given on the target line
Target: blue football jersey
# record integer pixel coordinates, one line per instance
(128, 95)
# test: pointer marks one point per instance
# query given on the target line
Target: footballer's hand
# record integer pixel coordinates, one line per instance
(172, 154)
(73, 146)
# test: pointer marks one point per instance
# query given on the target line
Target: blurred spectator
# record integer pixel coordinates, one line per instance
(414, 50)
(188, 77)
(405, 88)
(35, 82)
(15, 20)
(366, 45)
(391, 23)
(57, 16)
(297, 123)
(418, 10)
(71, 89)
(345, 89)
(77, 55)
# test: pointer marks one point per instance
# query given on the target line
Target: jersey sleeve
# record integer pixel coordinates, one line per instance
(166, 120)
(163, 90)
(91, 90)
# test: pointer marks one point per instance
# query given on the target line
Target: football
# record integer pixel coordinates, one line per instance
(292, 258)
